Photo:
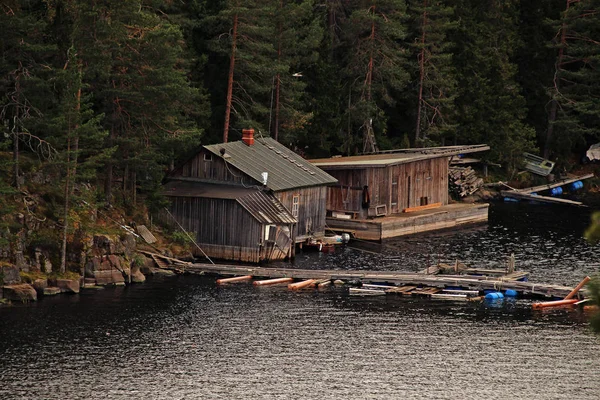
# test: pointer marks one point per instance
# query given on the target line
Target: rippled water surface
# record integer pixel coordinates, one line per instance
(186, 338)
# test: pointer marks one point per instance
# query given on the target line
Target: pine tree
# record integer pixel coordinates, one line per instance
(24, 54)
(490, 105)
(298, 35)
(434, 71)
(574, 116)
(244, 31)
(132, 61)
(374, 66)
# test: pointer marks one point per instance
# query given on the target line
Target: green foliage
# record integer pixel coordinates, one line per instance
(31, 276)
(432, 68)
(594, 290)
(138, 260)
(117, 92)
(576, 87)
(181, 238)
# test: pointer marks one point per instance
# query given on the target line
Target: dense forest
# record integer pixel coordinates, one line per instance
(113, 93)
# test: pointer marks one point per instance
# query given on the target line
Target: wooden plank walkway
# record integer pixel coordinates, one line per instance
(400, 279)
(526, 194)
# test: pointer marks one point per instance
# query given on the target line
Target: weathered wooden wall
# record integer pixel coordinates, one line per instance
(223, 229)
(311, 211)
(396, 187)
(214, 169)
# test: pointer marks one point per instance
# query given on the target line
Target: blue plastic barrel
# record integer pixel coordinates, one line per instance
(557, 191)
(510, 293)
(576, 186)
(494, 296)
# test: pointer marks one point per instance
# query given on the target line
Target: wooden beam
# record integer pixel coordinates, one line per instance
(542, 199)
(421, 208)
(555, 184)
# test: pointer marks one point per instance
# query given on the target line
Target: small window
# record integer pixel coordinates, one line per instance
(295, 205)
(207, 156)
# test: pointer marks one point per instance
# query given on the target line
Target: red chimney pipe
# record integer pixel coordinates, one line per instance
(248, 136)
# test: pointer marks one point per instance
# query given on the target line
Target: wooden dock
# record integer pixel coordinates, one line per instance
(418, 281)
(448, 216)
(527, 193)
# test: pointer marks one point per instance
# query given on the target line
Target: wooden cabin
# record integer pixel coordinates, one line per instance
(211, 196)
(388, 184)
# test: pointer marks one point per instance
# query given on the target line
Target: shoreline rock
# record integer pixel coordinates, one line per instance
(22, 292)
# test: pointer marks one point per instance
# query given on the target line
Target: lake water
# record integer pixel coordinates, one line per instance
(186, 338)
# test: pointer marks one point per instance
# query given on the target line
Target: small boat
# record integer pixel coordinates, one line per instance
(327, 244)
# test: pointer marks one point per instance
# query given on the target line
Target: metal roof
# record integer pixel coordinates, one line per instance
(395, 157)
(263, 206)
(286, 169)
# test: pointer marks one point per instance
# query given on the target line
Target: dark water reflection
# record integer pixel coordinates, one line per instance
(185, 338)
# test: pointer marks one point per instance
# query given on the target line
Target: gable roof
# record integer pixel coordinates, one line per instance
(286, 169)
(395, 157)
(263, 206)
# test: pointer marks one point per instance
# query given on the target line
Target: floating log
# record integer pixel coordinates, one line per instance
(323, 283)
(303, 284)
(448, 296)
(275, 281)
(557, 303)
(465, 292)
(578, 288)
(366, 292)
(371, 286)
(234, 279)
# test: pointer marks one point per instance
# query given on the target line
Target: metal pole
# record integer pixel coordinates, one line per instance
(188, 235)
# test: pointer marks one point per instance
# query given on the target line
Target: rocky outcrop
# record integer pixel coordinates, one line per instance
(22, 293)
(107, 261)
(51, 291)
(68, 285)
(137, 276)
(10, 274)
(40, 284)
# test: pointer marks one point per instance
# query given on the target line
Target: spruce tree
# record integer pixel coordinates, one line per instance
(490, 104)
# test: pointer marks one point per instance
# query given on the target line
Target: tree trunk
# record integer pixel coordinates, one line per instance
(16, 129)
(421, 74)
(230, 79)
(554, 102)
(108, 179)
(63, 252)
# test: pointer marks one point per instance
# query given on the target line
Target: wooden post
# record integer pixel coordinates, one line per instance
(578, 288)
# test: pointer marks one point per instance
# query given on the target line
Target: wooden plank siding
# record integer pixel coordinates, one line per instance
(311, 210)
(207, 166)
(223, 229)
(394, 186)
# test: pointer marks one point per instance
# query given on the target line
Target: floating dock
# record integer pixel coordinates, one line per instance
(448, 216)
(398, 281)
(531, 192)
